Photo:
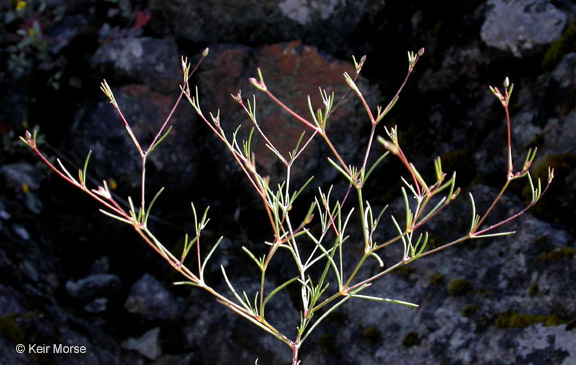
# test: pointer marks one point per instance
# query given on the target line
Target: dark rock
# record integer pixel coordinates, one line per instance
(94, 286)
(547, 126)
(522, 26)
(519, 306)
(61, 35)
(150, 300)
(325, 23)
(24, 177)
(152, 62)
(501, 274)
(10, 356)
(147, 345)
(92, 356)
(543, 124)
(292, 71)
(113, 152)
(222, 337)
(94, 290)
(11, 302)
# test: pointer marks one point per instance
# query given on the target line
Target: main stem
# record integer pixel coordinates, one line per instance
(295, 347)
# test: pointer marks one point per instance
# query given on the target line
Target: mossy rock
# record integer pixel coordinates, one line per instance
(327, 342)
(405, 271)
(372, 335)
(534, 290)
(462, 161)
(411, 339)
(12, 329)
(553, 206)
(512, 319)
(436, 279)
(434, 241)
(560, 47)
(459, 287)
(558, 254)
(470, 310)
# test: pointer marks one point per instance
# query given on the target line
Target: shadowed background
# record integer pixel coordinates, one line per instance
(70, 275)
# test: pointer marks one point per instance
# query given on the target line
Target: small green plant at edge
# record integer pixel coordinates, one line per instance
(318, 300)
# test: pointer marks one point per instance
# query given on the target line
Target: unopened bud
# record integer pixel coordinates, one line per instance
(257, 84)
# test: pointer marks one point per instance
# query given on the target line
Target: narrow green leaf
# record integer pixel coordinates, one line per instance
(409, 186)
(65, 170)
(133, 210)
(238, 297)
(252, 107)
(378, 299)
(388, 108)
(475, 217)
(418, 176)
(276, 153)
(296, 194)
(337, 167)
(295, 150)
(380, 159)
(186, 283)
(380, 262)
(358, 65)
(409, 214)
(149, 209)
(330, 259)
(111, 215)
(311, 108)
(275, 291)
(187, 246)
(209, 256)
(249, 253)
(152, 148)
(499, 234)
(422, 246)
(85, 169)
(434, 210)
(351, 82)
(204, 221)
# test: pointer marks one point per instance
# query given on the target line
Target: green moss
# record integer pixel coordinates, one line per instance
(470, 310)
(372, 335)
(511, 319)
(338, 317)
(458, 287)
(540, 241)
(12, 329)
(560, 47)
(558, 254)
(552, 207)
(537, 141)
(534, 290)
(461, 161)
(405, 271)
(411, 339)
(327, 342)
(436, 279)
(434, 241)
(561, 162)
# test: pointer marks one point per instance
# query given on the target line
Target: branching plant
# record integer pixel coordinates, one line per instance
(423, 200)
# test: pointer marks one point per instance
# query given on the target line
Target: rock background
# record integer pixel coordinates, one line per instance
(69, 275)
